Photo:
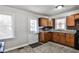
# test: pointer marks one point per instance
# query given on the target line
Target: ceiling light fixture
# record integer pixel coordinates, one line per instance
(59, 6)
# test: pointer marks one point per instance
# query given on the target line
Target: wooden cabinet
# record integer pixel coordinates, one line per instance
(51, 23)
(41, 37)
(77, 16)
(70, 20)
(45, 22)
(70, 40)
(62, 38)
(44, 37)
(55, 37)
(58, 37)
(52, 34)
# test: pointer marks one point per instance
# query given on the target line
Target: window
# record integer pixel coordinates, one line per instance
(60, 24)
(6, 30)
(34, 26)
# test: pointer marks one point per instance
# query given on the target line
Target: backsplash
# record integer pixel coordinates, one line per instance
(62, 31)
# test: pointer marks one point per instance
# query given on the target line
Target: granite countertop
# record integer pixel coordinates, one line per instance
(62, 31)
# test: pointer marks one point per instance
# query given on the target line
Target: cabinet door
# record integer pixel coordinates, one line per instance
(77, 16)
(70, 21)
(70, 40)
(43, 21)
(52, 36)
(41, 37)
(44, 37)
(62, 38)
(49, 35)
(50, 23)
(55, 37)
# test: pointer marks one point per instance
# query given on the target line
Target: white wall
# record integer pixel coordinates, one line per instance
(22, 33)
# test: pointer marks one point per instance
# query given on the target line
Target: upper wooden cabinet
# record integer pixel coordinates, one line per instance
(45, 22)
(70, 20)
(77, 16)
(51, 23)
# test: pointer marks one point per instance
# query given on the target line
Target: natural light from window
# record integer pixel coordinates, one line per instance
(60, 24)
(6, 30)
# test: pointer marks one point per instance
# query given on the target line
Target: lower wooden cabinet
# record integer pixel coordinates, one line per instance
(58, 37)
(44, 37)
(70, 40)
(70, 44)
(63, 38)
(51, 39)
(55, 37)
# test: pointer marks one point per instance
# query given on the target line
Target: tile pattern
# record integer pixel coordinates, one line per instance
(49, 47)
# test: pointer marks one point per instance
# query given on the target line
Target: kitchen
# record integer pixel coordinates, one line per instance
(62, 30)
(35, 27)
(64, 34)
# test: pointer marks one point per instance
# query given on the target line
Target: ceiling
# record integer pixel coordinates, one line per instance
(46, 10)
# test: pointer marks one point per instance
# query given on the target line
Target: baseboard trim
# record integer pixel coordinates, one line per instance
(15, 47)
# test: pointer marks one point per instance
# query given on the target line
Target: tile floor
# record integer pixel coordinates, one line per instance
(49, 47)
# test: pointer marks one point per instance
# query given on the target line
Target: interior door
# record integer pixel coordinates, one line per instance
(32, 35)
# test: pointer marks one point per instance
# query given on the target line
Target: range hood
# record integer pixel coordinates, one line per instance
(46, 28)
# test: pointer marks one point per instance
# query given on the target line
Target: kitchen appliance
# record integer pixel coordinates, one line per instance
(1, 47)
(77, 40)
